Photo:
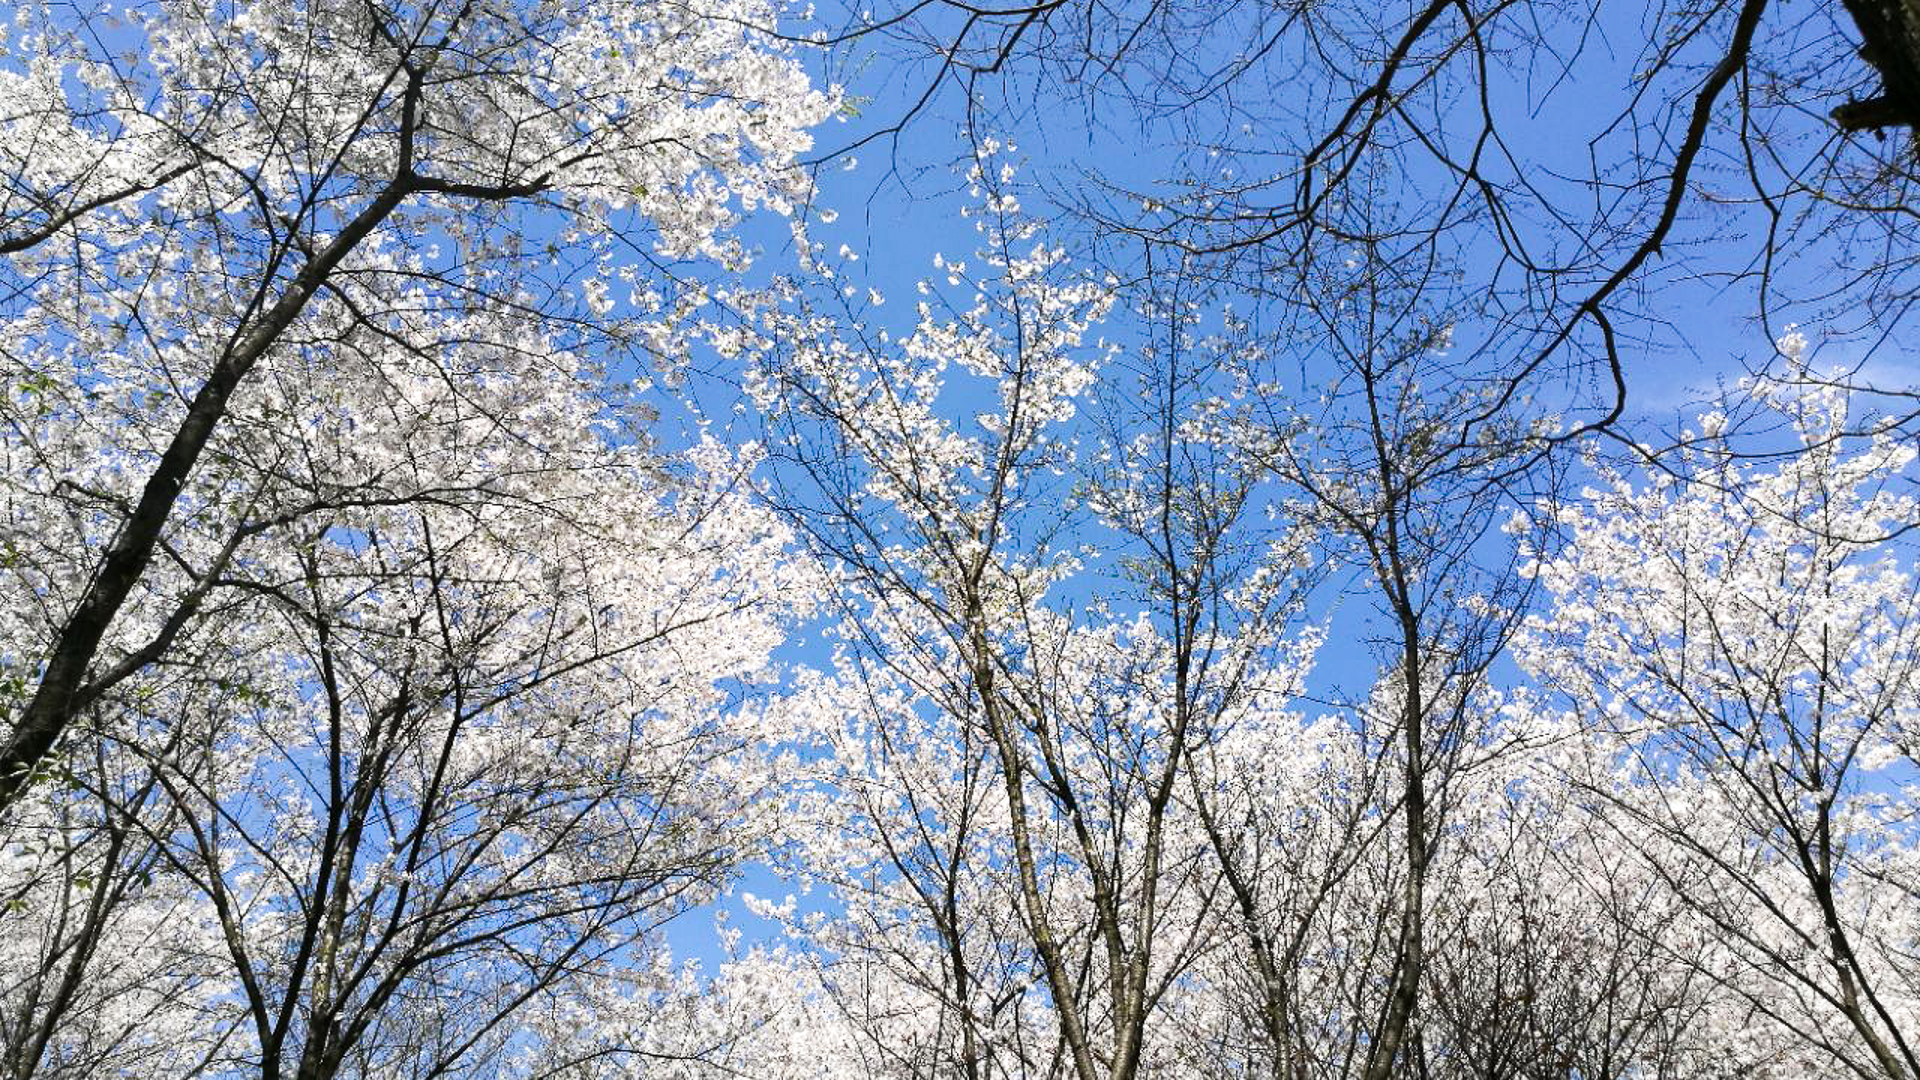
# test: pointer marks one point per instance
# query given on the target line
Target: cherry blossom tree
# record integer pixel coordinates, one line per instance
(199, 198)
(1406, 460)
(1737, 638)
(1000, 809)
(376, 682)
(436, 767)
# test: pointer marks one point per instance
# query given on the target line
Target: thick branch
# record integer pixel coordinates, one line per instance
(1890, 41)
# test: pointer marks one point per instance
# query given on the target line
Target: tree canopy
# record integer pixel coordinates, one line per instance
(1298, 540)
